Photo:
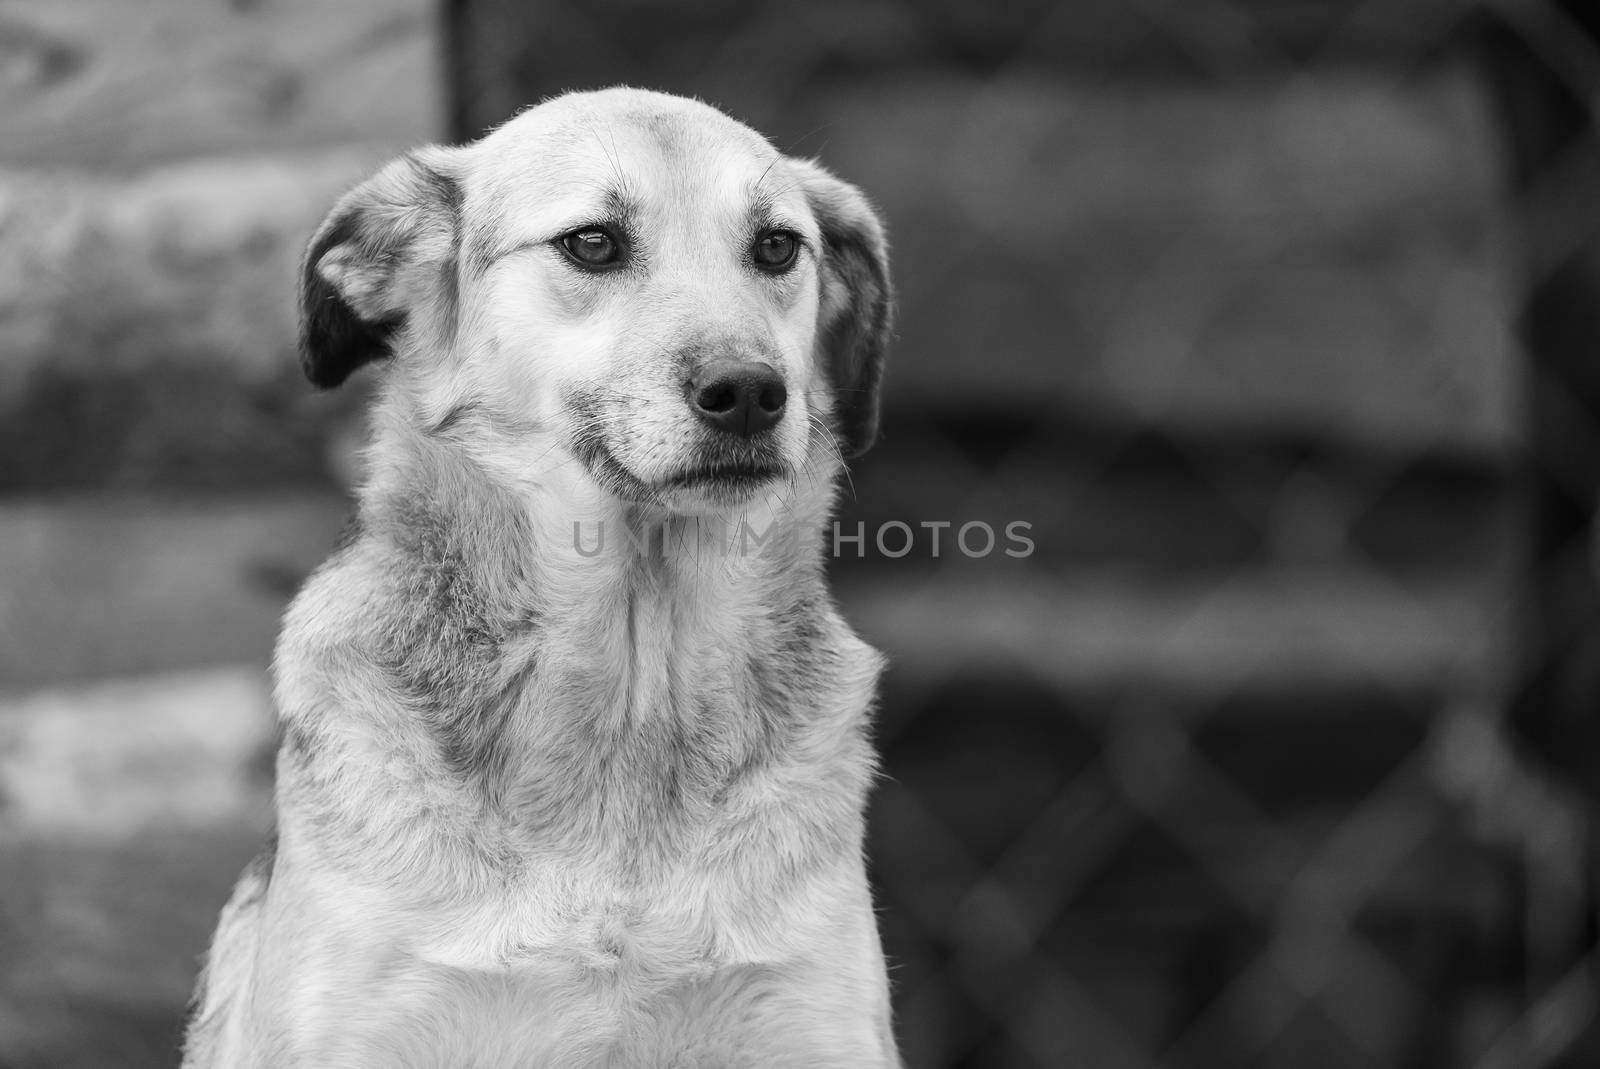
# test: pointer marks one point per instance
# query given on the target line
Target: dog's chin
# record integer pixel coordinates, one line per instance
(717, 487)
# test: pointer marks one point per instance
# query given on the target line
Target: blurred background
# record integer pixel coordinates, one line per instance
(1277, 320)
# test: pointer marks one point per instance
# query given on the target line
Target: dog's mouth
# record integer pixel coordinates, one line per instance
(722, 479)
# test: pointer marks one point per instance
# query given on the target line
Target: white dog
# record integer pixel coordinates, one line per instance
(573, 767)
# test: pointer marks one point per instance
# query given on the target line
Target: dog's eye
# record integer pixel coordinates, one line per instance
(592, 247)
(775, 250)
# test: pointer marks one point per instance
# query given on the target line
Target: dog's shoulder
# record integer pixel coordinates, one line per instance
(215, 1014)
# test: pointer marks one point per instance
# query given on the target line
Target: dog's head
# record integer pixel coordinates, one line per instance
(627, 283)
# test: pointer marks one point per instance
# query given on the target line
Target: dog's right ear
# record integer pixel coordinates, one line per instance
(385, 253)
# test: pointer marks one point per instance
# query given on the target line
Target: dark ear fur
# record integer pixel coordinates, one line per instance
(857, 303)
(388, 245)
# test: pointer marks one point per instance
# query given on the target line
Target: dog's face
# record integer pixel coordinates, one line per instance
(627, 283)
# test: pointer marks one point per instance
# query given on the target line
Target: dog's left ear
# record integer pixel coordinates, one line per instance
(857, 302)
(384, 254)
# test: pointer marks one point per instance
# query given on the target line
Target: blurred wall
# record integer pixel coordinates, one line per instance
(166, 476)
(161, 166)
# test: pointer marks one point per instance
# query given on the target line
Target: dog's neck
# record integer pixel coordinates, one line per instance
(547, 628)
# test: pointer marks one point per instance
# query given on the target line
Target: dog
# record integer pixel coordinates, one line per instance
(569, 775)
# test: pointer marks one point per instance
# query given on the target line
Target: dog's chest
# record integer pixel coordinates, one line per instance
(736, 1017)
(589, 983)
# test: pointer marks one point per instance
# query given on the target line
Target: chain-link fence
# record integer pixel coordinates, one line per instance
(1274, 322)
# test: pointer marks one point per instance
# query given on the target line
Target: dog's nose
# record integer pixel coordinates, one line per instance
(738, 396)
